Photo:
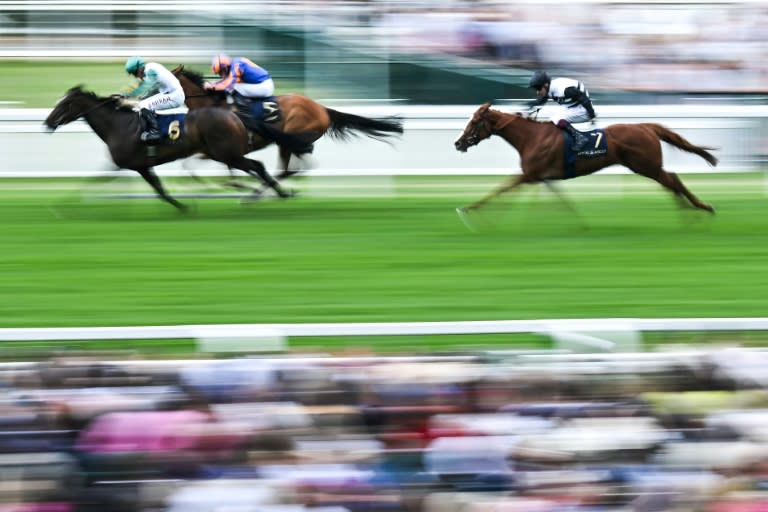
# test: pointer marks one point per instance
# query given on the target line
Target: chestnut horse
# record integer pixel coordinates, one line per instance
(216, 133)
(542, 154)
(301, 117)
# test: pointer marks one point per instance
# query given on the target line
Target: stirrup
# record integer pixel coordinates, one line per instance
(150, 136)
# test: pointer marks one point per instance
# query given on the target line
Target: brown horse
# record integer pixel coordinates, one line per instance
(301, 117)
(214, 132)
(542, 154)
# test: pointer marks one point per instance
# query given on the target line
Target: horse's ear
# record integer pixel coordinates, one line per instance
(485, 106)
(178, 69)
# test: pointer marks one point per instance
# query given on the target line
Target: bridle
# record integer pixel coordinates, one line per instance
(473, 137)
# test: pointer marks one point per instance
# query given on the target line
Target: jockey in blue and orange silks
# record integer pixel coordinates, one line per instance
(241, 75)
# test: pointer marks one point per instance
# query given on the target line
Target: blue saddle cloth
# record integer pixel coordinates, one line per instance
(265, 110)
(595, 146)
(171, 127)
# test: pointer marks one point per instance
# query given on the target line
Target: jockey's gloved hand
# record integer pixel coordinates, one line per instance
(128, 102)
(532, 112)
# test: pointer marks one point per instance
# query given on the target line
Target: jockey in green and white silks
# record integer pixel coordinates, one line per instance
(159, 89)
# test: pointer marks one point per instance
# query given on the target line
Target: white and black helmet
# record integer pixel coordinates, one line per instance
(538, 80)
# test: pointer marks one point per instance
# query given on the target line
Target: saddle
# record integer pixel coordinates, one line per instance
(170, 126)
(254, 112)
(595, 146)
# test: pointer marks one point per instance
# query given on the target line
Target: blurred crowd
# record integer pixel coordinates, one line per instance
(638, 46)
(497, 431)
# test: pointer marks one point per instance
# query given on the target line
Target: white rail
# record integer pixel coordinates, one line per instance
(426, 147)
(380, 328)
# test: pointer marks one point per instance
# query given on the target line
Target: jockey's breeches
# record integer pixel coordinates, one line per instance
(162, 101)
(260, 90)
(576, 114)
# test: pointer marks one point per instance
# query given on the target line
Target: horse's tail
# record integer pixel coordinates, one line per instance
(342, 124)
(679, 142)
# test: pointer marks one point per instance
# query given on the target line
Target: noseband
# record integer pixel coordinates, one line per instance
(473, 137)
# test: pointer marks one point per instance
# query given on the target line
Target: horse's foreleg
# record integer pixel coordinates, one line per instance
(154, 181)
(510, 184)
(71, 195)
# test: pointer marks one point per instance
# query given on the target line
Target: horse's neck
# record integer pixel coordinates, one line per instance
(198, 98)
(103, 120)
(520, 133)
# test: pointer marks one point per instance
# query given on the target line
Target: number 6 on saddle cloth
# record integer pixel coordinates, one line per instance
(171, 126)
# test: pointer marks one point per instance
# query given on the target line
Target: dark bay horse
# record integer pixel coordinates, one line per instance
(300, 116)
(542, 154)
(216, 133)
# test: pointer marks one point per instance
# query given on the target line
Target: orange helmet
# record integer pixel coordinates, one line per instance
(221, 62)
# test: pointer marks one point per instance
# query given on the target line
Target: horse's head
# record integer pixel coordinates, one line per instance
(478, 129)
(72, 106)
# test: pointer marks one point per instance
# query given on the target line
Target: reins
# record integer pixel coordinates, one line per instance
(98, 105)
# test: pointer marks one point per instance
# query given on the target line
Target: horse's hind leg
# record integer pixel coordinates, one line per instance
(672, 182)
(285, 160)
(154, 181)
(257, 170)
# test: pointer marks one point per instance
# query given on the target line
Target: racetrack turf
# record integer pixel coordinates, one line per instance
(107, 262)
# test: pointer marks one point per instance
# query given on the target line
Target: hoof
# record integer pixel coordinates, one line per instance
(250, 198)
(464, 216)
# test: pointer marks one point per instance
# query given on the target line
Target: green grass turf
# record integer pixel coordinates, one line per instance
(39, 84)
(137, 262)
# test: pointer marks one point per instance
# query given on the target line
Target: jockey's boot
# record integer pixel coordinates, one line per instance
(152, 135)
(579, 139)
(243, 106)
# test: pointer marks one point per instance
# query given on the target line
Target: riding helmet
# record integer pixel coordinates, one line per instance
(538, 80)
(133, 65)
(221, 62)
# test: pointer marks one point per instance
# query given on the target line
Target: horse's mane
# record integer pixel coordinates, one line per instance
(193, 76)
(80, 88)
